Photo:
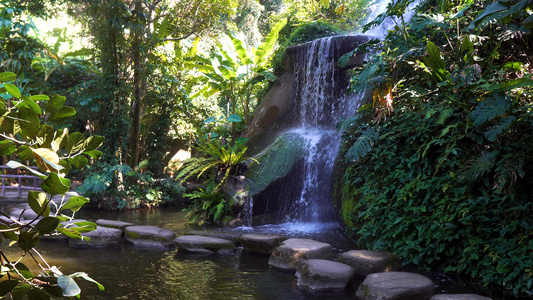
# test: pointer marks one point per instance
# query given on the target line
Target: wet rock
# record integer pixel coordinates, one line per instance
(26, 214)
(113, 224)
(204, 244)
(290, 252)
(395, 286)
(232, 236)
(101, 237)
(459, 297)
(367, 262)
(261, 243)
(149, 237)
(323, 275)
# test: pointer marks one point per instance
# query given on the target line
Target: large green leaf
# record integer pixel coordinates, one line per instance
(241, 51)
(28, 240)
(75, 143)
(93, 142)
(55, 103)
(45, 136)
(60, 139)
(55, 185)
(29, 122)
(265, 49)
(7, 76)
(32, 105)
(61, 114)
(46, 225)
(69, 232)
(86, 277)
(39, 203)
(68, 285)
(364, 143)
(46, 159)
(75, 203)
(79, 162)
(7, 285)
(7, 147)
(12, 90)
(20, 292)
(16, 165)
(490, 108)
(36, 294)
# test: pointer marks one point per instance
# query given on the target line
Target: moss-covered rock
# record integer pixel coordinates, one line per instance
(276, 161)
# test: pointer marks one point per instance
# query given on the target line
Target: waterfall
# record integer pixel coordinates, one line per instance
(319, 99)
(309, 98)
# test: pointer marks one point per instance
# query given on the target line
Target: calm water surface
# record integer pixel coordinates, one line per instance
(129, 273)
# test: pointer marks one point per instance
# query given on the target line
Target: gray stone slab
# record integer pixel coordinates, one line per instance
(261, 243)
(290, 252)
(367, 262)
(113, 224)
(459, 297)
(231, 236)
(395, 286)
(204, 244)
(319, 275)
(101, 237)
(150, 237)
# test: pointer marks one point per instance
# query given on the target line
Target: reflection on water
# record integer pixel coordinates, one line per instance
(129, 273)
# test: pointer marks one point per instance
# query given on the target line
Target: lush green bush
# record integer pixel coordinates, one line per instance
(439, 165)
(120, 187)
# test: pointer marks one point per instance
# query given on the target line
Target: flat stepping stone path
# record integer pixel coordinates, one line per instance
(459, 297)
(395, 286)
(290, 252)
(149, 237)
(113, 224)
(261, 243)
(232, 236)
(319, 275)
(204, 244)
(367, 262)
(101, 237)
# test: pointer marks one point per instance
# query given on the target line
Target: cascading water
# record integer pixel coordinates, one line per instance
(319, 100)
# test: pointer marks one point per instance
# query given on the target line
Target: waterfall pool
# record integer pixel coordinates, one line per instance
(129, 273)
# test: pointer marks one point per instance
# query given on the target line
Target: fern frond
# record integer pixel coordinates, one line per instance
(364, 143)
(490, 108)
(479, 166)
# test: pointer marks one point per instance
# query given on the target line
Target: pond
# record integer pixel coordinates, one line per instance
(129, 273)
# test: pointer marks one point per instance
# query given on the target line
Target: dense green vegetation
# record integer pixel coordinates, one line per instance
(437, 166)
(438, 163)
(27, 126)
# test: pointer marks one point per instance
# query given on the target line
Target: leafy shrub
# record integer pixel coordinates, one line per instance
(443, 180)
(120, 187)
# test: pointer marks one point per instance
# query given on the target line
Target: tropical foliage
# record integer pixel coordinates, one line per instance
(438, 163)
(27, 130)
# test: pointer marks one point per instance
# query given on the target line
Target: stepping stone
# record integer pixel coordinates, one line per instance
(113, 224)
(27, 214)
(395, 286)
(261, 243)
(149, 237)
(204, 244)
(232, 236)
(319, 275)
(290, 252)
(459, 297)
(367, 262)
(101, 237)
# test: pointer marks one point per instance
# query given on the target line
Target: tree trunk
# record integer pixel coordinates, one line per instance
(138, 93)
